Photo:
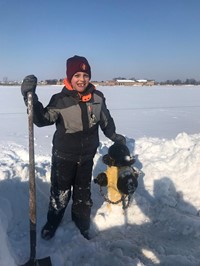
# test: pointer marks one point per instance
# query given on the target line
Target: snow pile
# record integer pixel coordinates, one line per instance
(161, 227)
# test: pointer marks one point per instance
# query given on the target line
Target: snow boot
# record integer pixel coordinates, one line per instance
(85, 234)
(83, 224)
(48, 231)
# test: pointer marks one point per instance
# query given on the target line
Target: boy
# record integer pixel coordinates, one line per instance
(77, 111)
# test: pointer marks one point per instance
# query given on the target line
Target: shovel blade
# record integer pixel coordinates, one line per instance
(40, 262)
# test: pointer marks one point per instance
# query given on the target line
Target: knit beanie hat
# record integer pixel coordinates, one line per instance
(77, 64)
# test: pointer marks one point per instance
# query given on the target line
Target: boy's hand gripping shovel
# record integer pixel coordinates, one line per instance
(32, 193)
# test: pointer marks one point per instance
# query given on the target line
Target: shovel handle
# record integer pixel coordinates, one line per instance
(32, 189)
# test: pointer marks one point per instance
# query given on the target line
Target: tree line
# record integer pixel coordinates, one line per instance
(180, 82)
(189, 81)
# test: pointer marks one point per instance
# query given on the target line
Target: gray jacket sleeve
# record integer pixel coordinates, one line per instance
(106, 121)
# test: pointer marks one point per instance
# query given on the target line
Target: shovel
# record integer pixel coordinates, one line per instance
(32, 193)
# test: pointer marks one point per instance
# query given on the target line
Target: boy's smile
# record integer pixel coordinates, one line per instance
(80, 81)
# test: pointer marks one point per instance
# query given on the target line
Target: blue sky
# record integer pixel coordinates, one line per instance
(152, 39)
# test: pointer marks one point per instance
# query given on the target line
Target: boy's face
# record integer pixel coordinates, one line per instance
(80, 81)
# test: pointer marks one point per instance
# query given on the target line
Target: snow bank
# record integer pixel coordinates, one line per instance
(161, 227)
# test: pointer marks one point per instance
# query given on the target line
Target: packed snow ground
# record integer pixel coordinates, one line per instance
(162, 224)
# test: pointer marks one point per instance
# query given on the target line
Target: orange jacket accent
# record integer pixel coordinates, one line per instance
(67, 84)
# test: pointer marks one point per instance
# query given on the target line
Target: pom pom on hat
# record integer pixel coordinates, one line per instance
(77, 64)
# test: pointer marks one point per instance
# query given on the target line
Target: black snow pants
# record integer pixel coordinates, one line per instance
(70, 178)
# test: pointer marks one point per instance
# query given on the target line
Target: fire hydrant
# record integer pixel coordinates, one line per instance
(120, 178)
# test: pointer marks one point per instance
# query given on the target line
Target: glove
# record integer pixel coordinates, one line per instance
(28, 85)
(117, 138)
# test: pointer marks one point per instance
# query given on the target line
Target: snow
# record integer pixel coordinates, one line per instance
(162, 224)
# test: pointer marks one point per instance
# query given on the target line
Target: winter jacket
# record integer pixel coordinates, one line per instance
(77, 119)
